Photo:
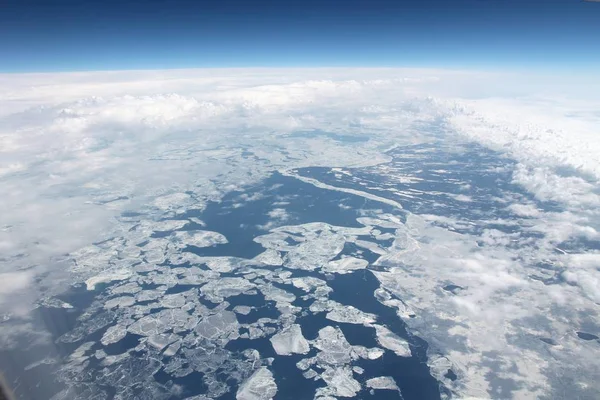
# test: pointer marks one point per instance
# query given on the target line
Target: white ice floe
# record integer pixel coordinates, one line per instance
(113, 334)
(269, 257)
(161, 340)
(333, 346)
(217, 290)
(243, 310)
(177, 300)
(167, 225)
(197, 238)
(123, 301)
(371, 246)
(368, 353)
(340, 382)
(312, 284)
(217, 264)
(170, 319)
(127, 288)
(317, 243)
(276, 294)
(345, 265)
(349, 314)
(221, 327)
(259, 386)
(382, 382)
(173, 202)
(391, 341)
(290, 341)
(107, 277)
(172, 349)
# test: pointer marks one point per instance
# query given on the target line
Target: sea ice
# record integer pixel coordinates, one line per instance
(277, 295)
(106, 277)
(290, 341)
(269, 257)
(160, 341)
(113, 334)
(123, 302)
(197, 238)
(223, 326)
(393, 342)
(340, 381)
(335, 349)
(349, 314)
(345, 265)
(382, 382)
(217, 290)
(259, 386)
(243, 310)
(167, 225)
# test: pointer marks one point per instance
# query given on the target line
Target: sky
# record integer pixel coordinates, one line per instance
(68, 35)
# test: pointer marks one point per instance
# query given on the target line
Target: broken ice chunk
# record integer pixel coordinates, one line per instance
(260, 386)
(382, 382)
(162, 321)
(176, 300)
(113, 334)
(130, 287)
(197, 238)
(172, 349)
(290, 340)
(391, 341)
(340, 381)
(118, 275)
(174, 201)
(370, 354)
(223, 325)
(243, 310)
(216, 290)
(310, 374)
(160, 341)
(269, 257)
(123, 301)
(54, 303)
(345, 265)
(277, 295)
(167, 225)
(349, 314)
(335, 349)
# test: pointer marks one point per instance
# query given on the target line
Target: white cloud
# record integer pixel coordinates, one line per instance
(14, 282)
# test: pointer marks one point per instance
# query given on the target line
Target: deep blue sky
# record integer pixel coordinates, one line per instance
(66, 35)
